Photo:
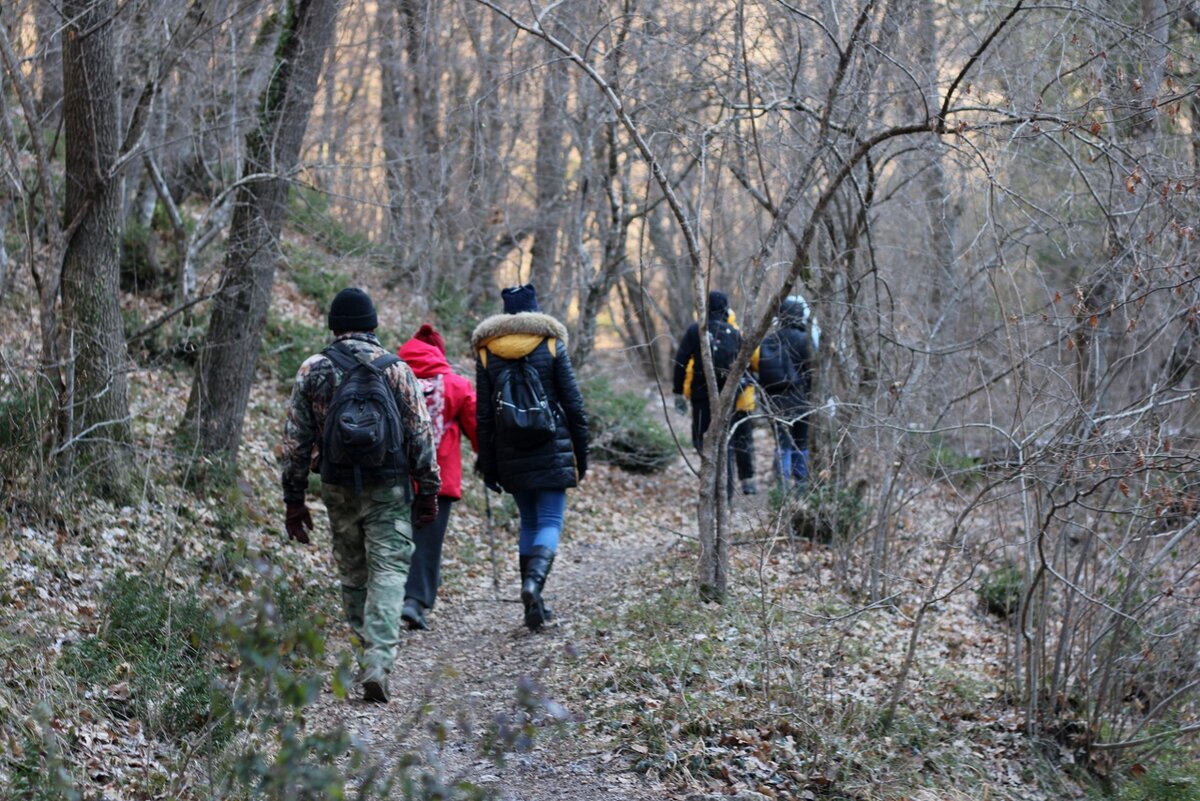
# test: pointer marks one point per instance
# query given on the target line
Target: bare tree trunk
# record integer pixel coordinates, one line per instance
(641, 329)
(48, 23)
(6, 198)
(391, 120)
(428, 172)
(548, 186)
(96, 410)
(225, 371)
(612, 258)
(47, 279)
(1193, 106)
(941, 213)
(5, 211)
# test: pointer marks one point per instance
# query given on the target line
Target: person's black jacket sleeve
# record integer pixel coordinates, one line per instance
(571, 401)
(485, 422)
(688, 346)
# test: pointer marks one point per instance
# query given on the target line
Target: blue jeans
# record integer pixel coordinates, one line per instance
(791, 453)
(541, 517)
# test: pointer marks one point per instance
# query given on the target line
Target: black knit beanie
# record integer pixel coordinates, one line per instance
(352, 310)
(717, 301)
(520, 299)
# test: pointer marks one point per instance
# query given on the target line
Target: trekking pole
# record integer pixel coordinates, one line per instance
(491, 535)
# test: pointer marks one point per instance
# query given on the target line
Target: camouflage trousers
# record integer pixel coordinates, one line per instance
(373, 546)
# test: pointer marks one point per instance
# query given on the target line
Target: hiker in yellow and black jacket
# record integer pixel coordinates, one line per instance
(536, 464)
(688, 383)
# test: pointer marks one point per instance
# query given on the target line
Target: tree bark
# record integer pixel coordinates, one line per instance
(942, 215)
(485, 188)
(225, 370)
(548, 185)
(5, 206)
(95, 410)
(391, 119)
(612, 258)
(48, 21)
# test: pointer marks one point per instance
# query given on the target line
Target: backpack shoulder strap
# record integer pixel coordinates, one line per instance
(340, 358)
(385, 361)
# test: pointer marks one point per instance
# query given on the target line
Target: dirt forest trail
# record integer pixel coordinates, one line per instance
(466, 670)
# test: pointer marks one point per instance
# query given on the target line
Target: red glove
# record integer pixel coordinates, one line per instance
(424, 510)
(298, 523)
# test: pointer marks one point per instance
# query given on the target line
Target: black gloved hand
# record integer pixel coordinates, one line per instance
(492, 483)
(424, 510)
(298, 522)
(581, 463)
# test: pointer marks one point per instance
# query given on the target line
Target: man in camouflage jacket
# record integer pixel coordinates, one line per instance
(371, 527)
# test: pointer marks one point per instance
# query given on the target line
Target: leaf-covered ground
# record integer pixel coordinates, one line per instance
(639, 691)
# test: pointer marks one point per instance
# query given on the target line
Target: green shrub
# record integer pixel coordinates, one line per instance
(456, 317)
(26, 413)
(947, 461)
(143, 251)
(622, 431)
(832, 513)
(287, 343)
(280, 654)
(1000, 591)
(41, 772)
(314, 274)
(160, 651)
(310, 215)
(173, 344)
(1166, 781)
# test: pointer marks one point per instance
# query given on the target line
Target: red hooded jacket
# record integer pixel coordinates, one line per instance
(428, 360)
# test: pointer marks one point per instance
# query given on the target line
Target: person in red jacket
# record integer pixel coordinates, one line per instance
(451, 402)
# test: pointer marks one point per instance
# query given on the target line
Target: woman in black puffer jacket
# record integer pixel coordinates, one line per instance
(537, 475)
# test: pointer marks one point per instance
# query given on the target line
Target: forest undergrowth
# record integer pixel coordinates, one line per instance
(179, 647)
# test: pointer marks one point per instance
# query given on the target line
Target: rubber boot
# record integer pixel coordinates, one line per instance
(536, 568)
(547, 613)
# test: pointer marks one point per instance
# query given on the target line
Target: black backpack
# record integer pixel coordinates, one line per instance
(363, 440)
(524, 418)
(724, 341)
(776, 371)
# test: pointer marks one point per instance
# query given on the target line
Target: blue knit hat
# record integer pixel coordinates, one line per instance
(717, 301)
(520, 299)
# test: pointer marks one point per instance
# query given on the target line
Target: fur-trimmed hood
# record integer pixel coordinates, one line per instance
(515, 335)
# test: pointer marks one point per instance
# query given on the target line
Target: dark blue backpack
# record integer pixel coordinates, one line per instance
(524, 418)
(776, 371)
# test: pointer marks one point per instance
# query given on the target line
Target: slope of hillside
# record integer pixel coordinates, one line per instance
(180, 647)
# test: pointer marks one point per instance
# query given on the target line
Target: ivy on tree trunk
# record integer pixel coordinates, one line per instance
(225, 370)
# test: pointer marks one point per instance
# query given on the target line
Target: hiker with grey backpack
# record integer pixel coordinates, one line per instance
(531, 429)
(785, 375)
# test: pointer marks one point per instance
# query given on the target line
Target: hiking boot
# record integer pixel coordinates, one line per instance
(375, 685)
(749, 487)
(413, 615)
(536, 568)
(547, 612)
